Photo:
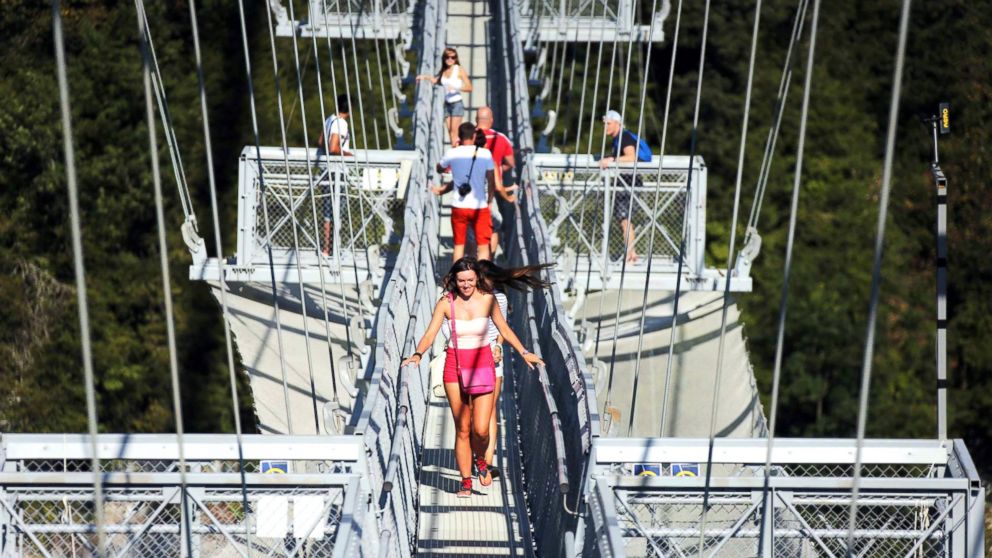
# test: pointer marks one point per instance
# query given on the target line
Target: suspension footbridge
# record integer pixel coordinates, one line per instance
(642, 435)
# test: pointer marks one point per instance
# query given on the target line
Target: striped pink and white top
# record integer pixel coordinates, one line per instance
(472, 334)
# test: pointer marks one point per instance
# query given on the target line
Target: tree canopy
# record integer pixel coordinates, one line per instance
(947, 60)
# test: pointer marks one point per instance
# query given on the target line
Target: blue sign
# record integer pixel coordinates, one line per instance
(274, 467)
(647, 469)
(685, 469)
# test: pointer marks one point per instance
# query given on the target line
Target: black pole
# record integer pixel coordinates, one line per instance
(941, 123)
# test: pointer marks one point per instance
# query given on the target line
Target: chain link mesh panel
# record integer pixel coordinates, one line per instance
(58, 521)
(805, 524)
(406, 308)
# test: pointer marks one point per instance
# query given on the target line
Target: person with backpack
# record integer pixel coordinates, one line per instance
(334, 140)
(627, 148)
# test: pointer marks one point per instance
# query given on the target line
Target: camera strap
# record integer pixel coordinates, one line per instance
(468, 177)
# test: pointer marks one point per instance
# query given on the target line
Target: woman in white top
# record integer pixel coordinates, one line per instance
(496, 280)
(455, 81)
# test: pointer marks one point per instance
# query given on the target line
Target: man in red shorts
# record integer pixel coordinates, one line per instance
(474, 183)
(502, 150)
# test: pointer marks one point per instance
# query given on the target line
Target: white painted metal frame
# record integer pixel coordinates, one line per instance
(587, 20)
(375, 19)
(46, 490)
(375, 182)
(578, 200)
(918, 496)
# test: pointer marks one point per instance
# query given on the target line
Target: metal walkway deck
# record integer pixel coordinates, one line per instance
(493, 522)
(383, 483)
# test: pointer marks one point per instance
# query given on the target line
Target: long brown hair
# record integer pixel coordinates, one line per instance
(444, 66)
(493, 277)
(450, 280)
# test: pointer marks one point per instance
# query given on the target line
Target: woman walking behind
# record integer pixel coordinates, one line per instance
(469, 370)
(496, 280)
(455, 81)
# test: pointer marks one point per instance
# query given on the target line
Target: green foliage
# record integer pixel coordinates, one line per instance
(828, 292)
(39, 341)
(838, 210)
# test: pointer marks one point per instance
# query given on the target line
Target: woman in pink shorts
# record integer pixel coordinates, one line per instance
(469, 309)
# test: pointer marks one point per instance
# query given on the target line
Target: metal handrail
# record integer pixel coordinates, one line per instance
(403, 402)
(560, 461)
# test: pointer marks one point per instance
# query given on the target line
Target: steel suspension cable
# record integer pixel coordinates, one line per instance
(296, 100)
(215, 214)
(592, 117)
(170, 327)
(585, 77)
(178, 170)
(730, 266)
(265, 214)
(354, 57)
(876, 272)
(316, 224)
(561, 76)
(606, 227)
(80, 275)
(578, 138)
(338, 161)
(321, 263)
(630, 198)
(777, 113)
(787, 268)
(382, 91)
(657, 197)
(292, 211)
(693, 141)
(365, 145)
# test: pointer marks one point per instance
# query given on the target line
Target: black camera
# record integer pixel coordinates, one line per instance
(464, 189)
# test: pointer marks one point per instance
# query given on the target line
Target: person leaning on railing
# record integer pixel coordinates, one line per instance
(627, 148)
(469, 369)
(334, 140)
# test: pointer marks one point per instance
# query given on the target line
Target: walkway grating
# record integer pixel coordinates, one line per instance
(493, 522)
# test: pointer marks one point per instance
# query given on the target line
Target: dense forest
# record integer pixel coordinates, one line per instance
(947, 60)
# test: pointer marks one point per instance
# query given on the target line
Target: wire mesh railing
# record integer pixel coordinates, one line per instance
(393, 417)
(557, 419)
(917, 498)
(302, 495)
(357, 200)
(584, 207)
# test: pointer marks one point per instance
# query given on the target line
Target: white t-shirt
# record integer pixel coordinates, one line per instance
(460, 161)
(337, 125)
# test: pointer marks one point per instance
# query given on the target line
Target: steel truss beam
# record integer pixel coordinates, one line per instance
(921, 495)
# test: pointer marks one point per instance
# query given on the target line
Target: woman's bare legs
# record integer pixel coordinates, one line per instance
(461, 412)
(471, 414)
(453, 123)
(491, 449)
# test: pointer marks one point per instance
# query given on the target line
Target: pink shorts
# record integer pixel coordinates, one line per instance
(468, 358)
